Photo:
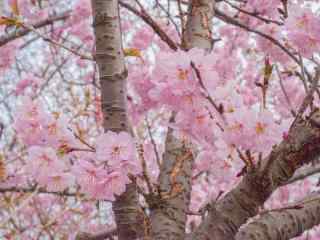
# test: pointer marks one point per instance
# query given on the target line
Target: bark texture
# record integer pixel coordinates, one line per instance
(286, 223)
(112, 74)
(300, 147)
(198, 32)
(169, 215)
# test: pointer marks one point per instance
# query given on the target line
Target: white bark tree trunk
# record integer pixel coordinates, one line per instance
(112, 74)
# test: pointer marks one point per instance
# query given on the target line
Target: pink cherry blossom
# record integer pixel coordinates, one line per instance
(43, 161)
(115, 147)
(303, 28)
(59, 181)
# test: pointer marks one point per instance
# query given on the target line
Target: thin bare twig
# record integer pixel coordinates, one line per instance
(309, 98)
(148, 20)
(24, 31)
(253, 14)
(285, 92)
(153, 143)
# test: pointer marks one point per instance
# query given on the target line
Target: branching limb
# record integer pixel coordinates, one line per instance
(285, 223)
(300, 147)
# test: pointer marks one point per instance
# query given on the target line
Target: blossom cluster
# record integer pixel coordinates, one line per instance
(54, 161)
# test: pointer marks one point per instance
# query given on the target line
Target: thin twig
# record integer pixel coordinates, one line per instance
(23, 31)
(309, 98)
(285, 92)
(148, 20)
(253, 14)
(47, 39)
(207, 96)
(153, 143)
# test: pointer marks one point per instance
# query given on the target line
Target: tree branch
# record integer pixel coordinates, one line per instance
(299, 148)
(288, 222)
(310, 171)
(40, 190)
(23, 31)
(109, 234)
(148, 20)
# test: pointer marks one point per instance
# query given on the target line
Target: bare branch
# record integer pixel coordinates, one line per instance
(290, 222)
(31, 189)
(303, 174)
(23, 31)
(148, 20)
(109, 234)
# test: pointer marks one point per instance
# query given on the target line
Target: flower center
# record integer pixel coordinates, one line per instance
(260, 128)
(116, 150)
(182, 74)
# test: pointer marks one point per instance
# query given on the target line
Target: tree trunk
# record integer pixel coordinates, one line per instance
(112, 74)
(169, 216)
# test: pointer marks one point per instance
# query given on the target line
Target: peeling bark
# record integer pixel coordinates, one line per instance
(284, 223)
(300, 147)
(112, 74)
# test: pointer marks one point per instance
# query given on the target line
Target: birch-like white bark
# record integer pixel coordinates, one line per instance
(198, 30)
(169, 216)
(112, 74)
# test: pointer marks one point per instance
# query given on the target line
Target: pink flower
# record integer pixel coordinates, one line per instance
(143, 38)
(115, 147)
(43, 161)
(8, 53)
(28, 122)
(97, 182)
(265, 131)
(268, 47)
(22, 85)
(88, 175)
(59, 181)
(173, 78)
(303, 30)
(113, 184)
(197, 123)
(263, 7)
(132, 167)
(236, 132)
